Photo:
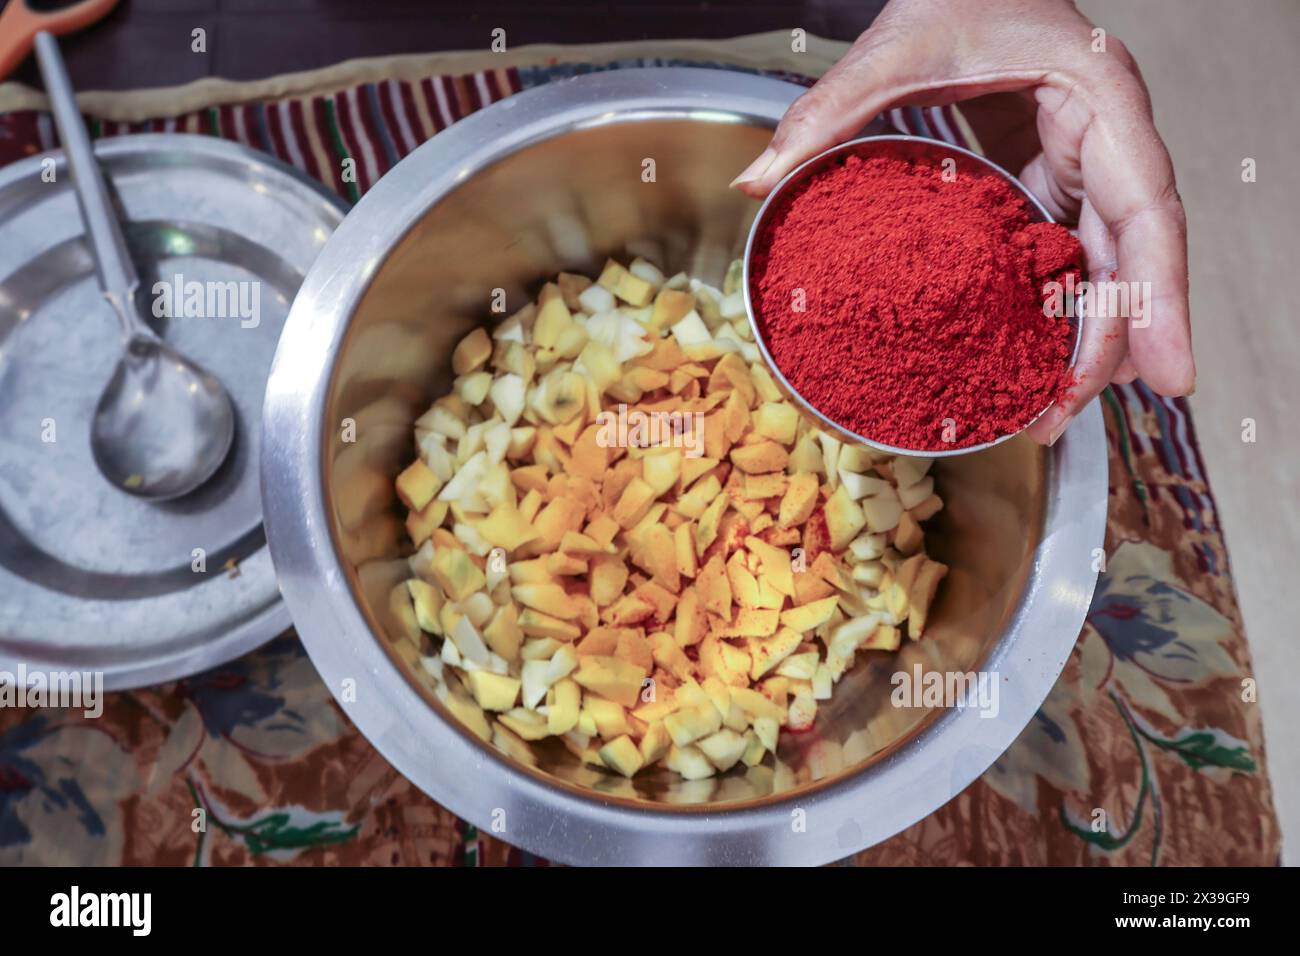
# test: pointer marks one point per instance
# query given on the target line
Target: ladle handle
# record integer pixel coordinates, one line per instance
(113, 266)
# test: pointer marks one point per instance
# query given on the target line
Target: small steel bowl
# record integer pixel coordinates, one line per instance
(898, 147)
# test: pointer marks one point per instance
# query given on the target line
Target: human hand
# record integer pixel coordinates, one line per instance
(1103, 166)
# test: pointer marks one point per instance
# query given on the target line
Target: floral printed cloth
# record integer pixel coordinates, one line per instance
(1149, 750)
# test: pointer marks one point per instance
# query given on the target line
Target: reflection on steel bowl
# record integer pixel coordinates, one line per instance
(550, 181)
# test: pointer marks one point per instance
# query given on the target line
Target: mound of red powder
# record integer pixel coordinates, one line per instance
(910, 309)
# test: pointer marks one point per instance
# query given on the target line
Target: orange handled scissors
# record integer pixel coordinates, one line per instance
(19, 25)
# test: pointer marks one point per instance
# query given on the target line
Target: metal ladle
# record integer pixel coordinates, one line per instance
(163, 424)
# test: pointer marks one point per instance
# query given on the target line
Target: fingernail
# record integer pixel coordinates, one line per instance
(1058, 430)
(755, 170)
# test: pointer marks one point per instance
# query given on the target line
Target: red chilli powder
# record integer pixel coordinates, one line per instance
(910, 309)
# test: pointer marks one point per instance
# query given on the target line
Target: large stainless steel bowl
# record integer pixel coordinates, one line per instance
(553, 179)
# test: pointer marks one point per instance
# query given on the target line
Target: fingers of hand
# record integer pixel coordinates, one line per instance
(1040, 180)
(1101, 351)
(1101, 261)
(1099, 255)
(1125, 374)
(851, 93)
(1129, 179)
(1152, 250)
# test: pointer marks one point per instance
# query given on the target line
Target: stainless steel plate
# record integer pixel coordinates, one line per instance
(92, 578)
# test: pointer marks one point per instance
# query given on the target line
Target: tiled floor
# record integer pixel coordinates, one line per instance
(1223, 78)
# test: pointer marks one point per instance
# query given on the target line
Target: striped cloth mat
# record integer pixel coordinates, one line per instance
(376, 124)
(1148, 720)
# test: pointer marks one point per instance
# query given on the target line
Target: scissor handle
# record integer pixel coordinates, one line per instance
(19, 23)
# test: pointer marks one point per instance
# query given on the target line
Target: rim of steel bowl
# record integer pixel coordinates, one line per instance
(845, 814)
(811, 167)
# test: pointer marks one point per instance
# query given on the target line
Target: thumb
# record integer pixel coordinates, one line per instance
(843, 101)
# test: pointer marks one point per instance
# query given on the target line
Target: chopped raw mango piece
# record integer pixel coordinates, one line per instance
(417, 485)
(612, 678)
(493, 691)
(472, 352)
(670, 591)
(623, 755)
(456, 573)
